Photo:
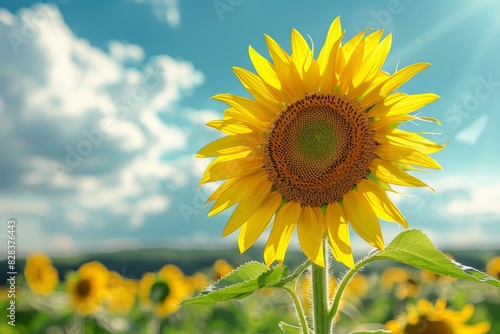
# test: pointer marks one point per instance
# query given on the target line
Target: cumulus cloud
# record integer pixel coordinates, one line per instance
(477, 200)
(81, 126)
(471, 134)
(165, 10)
(124, 52)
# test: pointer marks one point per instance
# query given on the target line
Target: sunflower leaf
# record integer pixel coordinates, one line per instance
(287, 328)
(240, 283)
(414, 248)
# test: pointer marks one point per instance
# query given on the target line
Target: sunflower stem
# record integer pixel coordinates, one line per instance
(77, 325)
(320, 297)
(154, 325)
(299, 309)
(340, 289)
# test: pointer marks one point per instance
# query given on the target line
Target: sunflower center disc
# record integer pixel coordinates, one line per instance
(83, 288)
(319, 148)
(431, 327)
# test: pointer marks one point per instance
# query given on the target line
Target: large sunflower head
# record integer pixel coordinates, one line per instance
(317, 146)
(426, 318)
(88, 288)
(162, 292)
(40, 275)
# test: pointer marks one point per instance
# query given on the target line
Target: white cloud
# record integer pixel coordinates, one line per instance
(86, 122)
(201, 116)
(11, 207)
(165, 10)
(76, 217)
(471, 134)
(124, 52)
(6, 17)
(481, 199)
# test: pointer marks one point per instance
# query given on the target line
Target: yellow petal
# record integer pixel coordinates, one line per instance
(229, 166)
(245, 105)
(406, 155)
(381, 203)
(256, 194)
(389, 172)
(363, 219)
(370, 67)
(264, 68)
(311, 232)
(284, 224)
(234, 115)
(333, 39)
(304, 63)
(405, 105)
(354, 62)
(350, 47)
(232, 192)
(287, 72)
(394, 81)
(397, 137)
(328, 77)
(227, 145)
(371, 42)
(220, 190)
(258, 88)
(232, 127)
(300, 51)
(258, 221)
(337, 230)
(381, 124)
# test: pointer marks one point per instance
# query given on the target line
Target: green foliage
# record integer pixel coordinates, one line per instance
(240, 283)
(287, 328)
(414, 248)
(372, 332)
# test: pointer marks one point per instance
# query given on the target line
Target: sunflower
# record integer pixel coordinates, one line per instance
(435, 279)
(318, 145)
(426, 318)
(40, 275)
(88, 288)
(221, 268)
(198, 281)
(122, 293)
(393, 276)
(162, 292)
(493, 267)
(357, 288)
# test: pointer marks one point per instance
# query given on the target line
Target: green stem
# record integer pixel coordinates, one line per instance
(78, 325)
(154, 325)
(299, 309)
(340, 290)
(320, 297)
(300, 269)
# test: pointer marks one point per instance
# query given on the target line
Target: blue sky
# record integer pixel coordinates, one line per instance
(103, 106)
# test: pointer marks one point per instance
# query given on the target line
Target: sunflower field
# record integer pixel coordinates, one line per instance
(95, 299)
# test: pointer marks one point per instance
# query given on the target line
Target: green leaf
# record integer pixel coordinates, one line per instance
(414, 248)
(380, 331)
(287, 328)
(240, 283)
